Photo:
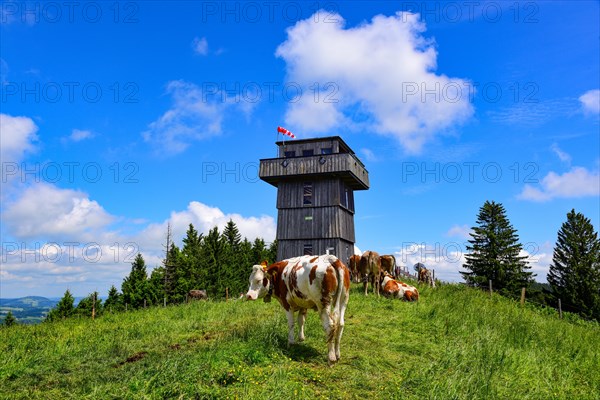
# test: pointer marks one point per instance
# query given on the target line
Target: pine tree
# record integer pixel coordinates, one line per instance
(574, 274)
(85, 306)
(272, 253)
(10, 319)
(114, 302)
(494, 252)
(63, 309)
(214, 255)
(172, 264)
(232, 236)
(134, 286)
(259, 251)
(156, 286)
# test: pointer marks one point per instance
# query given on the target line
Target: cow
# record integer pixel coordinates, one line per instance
(321, 283)
(353, 265)
(425, 277)
(388, 263)
(370, 269)
(198, 294)
(396, 289)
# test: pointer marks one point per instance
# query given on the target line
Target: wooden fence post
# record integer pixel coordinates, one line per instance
(94, 307)
(226, 293)
(559, 309)
(165, 301)
(522, 297)
(490, 288)
(186, 298)
(144, 303)
(125, 306)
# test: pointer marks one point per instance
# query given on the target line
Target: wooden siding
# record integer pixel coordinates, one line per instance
(315, 223)
(325, 192)
(342, 249)
(298, 148)
(344, 166)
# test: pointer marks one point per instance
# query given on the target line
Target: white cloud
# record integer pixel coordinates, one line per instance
(590, 102)
(200, 46)
(17, 137)
(578, 182)
(369, 154)
(371, 77)
(77, 135)
(445, 258)
(564, 157)
(62, 237)
(46, 210)
(196, 114)
(460, 231)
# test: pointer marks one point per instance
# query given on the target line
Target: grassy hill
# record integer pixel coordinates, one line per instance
(27, 310)
(455, 343)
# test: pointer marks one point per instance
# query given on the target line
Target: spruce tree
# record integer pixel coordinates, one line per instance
(114, 302)
(85, 306)
(272, 253)
(156, 286)
(10, 319)
(214, 254)
(134, 286)
(494, 252)
(232, 236)
(191, 271)
(574, 274)
(259, 251)
(63, 309)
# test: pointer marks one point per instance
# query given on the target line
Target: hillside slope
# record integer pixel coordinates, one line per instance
(454, 343)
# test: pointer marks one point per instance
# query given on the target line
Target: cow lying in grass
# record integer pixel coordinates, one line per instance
(398, 290)
(320, 283)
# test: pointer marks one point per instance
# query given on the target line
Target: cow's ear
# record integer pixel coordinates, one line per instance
(264, 264)
(273, 270)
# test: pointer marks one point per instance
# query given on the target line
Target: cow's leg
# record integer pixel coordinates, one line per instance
(330, 330)
(340, 327)
(366, 283)
(301, 319)
(290, 318)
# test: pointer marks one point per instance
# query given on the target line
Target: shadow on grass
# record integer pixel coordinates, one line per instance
(300, 352)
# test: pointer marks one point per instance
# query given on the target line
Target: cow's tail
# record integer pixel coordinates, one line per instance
(341, 294)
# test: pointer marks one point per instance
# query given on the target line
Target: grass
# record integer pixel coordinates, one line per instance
(455, 343)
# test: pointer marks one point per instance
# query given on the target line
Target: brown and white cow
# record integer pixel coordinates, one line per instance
(198, 294)
(388, 263)
(370, 270)
(398, 290)
(320, 283)
(353, 265)
(426, 277)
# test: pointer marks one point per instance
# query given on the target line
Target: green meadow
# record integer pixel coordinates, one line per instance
(455, 343)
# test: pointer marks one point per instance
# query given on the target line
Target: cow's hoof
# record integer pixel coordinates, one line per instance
(301, 339)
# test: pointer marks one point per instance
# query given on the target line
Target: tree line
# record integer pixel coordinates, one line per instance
(218, 262)
(495, 254)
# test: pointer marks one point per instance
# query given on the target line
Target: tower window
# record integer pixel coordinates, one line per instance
(307, 153)
(289, 154)
(327, 150)
(308, 249)
(308, 192)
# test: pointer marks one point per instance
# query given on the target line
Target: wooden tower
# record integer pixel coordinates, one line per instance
(315, 180)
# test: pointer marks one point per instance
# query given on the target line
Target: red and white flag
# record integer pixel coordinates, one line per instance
(286, 132)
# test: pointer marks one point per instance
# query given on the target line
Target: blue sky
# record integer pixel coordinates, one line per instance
(118, 118)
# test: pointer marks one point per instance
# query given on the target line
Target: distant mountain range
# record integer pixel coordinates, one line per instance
(27, 310)
(30, 309)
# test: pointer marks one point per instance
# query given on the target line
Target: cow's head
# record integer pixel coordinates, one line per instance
(259, 284)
